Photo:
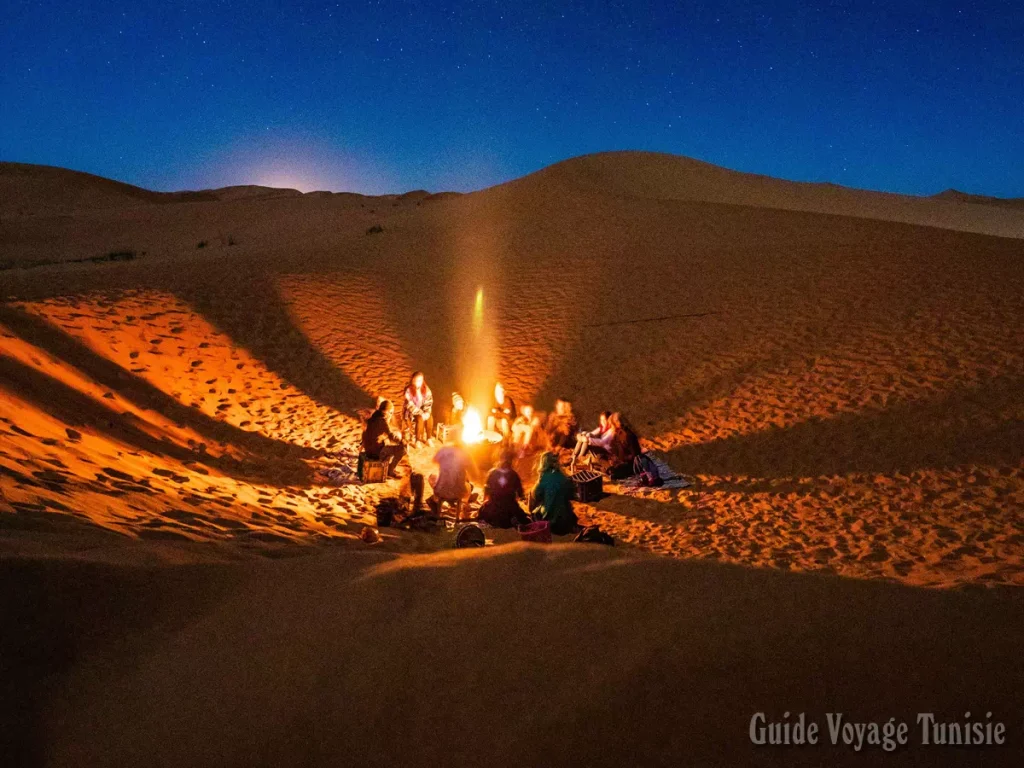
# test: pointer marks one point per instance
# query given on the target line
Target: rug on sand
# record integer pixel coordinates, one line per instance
(670, 479)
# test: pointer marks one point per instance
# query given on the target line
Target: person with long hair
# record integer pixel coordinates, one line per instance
(417, 413)
(551, 498)
(597, 442)
(624, 448)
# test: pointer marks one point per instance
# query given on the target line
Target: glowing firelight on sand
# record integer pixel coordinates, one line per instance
(472, 427)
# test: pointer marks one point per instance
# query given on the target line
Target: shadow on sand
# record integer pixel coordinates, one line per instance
(258, 320)
(662, 661)
(967, 426)
(74, 408)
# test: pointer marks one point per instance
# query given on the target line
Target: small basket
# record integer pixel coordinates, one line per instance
(447, 433)
(538, 532)
(589, 485)
(372, 470)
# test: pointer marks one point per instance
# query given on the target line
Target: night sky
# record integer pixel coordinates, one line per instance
(901, 95)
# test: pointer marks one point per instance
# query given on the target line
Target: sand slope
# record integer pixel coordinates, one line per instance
(507, 657)
(40, 190)
(844, 392)
(185, 588)
(656, 176)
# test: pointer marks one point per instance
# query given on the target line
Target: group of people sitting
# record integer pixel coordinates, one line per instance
(550, 499)
(611, 447)
(382, 442)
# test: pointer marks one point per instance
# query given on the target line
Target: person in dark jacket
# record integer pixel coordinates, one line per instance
(503, 412)
(502, 493)
(552, 496)
(418, 411)
(624, 448)
(380, 441)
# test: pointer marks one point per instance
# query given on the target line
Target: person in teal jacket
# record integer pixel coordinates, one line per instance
(552, 496)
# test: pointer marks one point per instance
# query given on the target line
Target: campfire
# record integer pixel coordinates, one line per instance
(472, 427)
(473, 431)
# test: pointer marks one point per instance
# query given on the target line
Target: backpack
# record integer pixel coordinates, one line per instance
(594, 535)
(647, 471)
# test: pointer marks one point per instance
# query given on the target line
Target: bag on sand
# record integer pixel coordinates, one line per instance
(471, 535)
(387, 509)
(647, 471)
(594, 535)
(537, 532)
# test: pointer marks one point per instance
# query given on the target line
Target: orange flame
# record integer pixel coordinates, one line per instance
(472, 427)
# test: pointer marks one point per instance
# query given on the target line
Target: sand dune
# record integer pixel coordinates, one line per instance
(956, 196)
(248, 191)
(839, 374)
(52, 215)
(845, 393)
(654, 176)
(40, 190)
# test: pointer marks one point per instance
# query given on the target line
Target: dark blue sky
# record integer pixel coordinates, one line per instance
(901, 95)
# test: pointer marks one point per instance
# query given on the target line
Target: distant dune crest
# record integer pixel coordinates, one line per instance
(656, 176)
(28, 190)
(41, 190)
(956, 196)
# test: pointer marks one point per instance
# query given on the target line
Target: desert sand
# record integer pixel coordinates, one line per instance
(838, 372)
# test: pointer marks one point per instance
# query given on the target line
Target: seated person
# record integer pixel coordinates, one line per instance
(451, 483)
(453, 419)
(417, 414)
(380, 441)
(502, 493)
(503, 412)
(597, 442)
(551, 498)
(624, 448)
(525, 430)
(562, 426)
(456, 410)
